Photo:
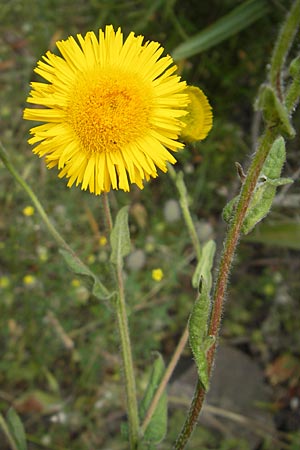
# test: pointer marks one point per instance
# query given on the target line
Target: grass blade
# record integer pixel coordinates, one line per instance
(233, 22)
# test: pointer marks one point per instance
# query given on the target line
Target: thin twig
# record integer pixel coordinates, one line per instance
(168, 373)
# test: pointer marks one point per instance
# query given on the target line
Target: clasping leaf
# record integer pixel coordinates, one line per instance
(200, 341)
(263, 196)
(120, 238)
(157, 426)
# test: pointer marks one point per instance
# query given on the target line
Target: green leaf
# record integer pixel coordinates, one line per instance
(200, 342)
(16, 429)
(229, 209)
(79, 268)
(274, 111)
(294, 68)
(204, 266)
(238, 19)
(264, 194)
(120, 237)
(157, 426)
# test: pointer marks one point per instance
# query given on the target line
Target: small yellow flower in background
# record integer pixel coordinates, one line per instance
(200, 118)
(157, 274)
(42, 253)
(4, 282)
(75, 282)
(91, 259)
(29, 280)
(102, 241)
(28, 211)
(112, 110)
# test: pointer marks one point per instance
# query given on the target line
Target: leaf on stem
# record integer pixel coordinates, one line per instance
(274, 111)
(269, 180)
(16, 429)
(204, 266)
(293, 91)
(200, 341)
(120, 237)
(79, 268)
(157, 426)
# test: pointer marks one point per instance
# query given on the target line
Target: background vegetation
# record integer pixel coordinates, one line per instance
(59, 363)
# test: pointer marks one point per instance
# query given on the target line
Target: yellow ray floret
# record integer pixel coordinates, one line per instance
(112, 110)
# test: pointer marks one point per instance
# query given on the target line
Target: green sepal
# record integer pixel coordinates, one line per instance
(120, 237)
(204, 266)
(79, 268)
(157, 427)
(274, 112)
(199, 340)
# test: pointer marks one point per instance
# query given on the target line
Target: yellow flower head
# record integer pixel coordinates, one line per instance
(199, 118)
(29, 280)
(28, 211)
(4, 282)
(102, 241)
(157, 274)
(75, 282)
(111, 109)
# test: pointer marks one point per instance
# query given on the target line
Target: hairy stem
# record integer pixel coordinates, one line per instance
(120, 306)
(223, 274)
(282, 47)
(130, 387)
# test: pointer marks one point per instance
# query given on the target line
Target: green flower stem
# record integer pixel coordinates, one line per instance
(282, 46)
(107, 212)
(58, 238)
(120, 305)
(132, 407)
(52, 230)
(183, 199)
(230, 244)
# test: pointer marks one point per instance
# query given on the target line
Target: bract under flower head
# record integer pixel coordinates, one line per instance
(112, 110)
(199, 119)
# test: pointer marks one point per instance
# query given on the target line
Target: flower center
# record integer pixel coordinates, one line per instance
(109, 109)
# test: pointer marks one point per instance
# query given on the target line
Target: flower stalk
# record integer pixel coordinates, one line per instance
(130, 386)
(55, 234)
(183, 199)
(127, 360)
